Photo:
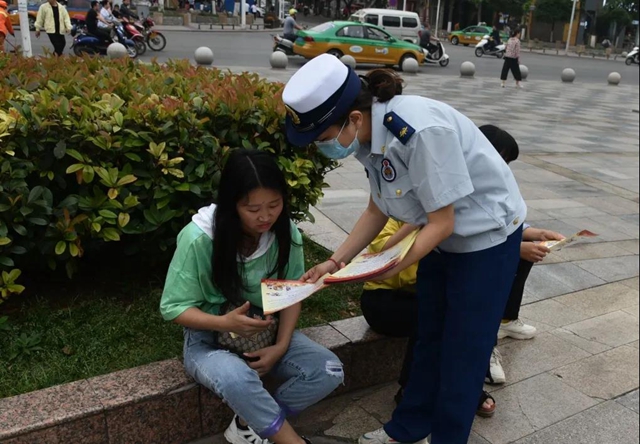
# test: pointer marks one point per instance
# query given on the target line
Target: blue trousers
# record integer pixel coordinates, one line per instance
(461, 300)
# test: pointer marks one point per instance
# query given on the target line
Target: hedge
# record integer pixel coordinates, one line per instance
(95, 151)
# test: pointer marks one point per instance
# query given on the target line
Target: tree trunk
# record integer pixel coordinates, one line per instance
(480, 12)
(553, 28)
(450, 16)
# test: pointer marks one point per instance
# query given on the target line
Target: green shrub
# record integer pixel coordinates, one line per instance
(95, 151)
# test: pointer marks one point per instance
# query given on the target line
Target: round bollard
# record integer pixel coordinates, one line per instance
(568, 75)
(614, 78)
(467, 69)
(410, 66)
(203, 56)
(624, 54)
(279, 60)
(349, 61)
(117, 51)
(524, 71)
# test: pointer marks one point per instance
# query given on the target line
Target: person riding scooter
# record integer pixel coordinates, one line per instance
(494, 39)
(290, 26)
(425, 42)
(92, 19)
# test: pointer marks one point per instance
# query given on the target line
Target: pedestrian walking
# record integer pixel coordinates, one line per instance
(5, 24)
(54, 19)
(425, 162)
(512, 60)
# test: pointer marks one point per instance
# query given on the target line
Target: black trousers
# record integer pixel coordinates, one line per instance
(393, 313)
(512, 65)
(512, 312)
(58, 41)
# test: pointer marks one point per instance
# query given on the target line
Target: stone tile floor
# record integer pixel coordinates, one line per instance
(577, 381)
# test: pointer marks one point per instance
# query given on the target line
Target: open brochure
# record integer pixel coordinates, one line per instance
(280, 294)
(557, 245)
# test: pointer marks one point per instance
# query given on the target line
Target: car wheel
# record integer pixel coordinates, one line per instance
(405, 57)
(455, 41)
(335, 52)
(32, 24)
(479, 52)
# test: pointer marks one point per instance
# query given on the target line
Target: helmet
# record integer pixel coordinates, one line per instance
(292, 11)
(3, 4)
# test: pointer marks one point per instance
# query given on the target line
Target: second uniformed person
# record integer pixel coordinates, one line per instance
(428, 165)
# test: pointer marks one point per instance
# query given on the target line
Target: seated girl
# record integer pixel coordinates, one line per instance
(213, 290)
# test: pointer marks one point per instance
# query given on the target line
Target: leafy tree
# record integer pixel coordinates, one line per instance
(552, 11)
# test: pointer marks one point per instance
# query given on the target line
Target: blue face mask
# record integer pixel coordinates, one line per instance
(333, 149)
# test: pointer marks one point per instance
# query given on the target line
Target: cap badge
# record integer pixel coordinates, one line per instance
(388, 171)
(294, 116)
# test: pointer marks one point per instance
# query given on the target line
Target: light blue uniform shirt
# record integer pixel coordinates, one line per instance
(447, 160)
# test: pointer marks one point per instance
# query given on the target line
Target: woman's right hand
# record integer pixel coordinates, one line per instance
(320, 270)
(238, 322)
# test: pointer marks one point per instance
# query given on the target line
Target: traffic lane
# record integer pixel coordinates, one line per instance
(252, 49)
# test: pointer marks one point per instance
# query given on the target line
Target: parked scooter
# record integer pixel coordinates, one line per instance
(632, 57)
(85, 43)
(436, 53)
(482, 48)
(133, 33)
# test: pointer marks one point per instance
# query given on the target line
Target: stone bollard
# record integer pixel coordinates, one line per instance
(467, 69)
(203, 56)
(279, 60)
(349, 61)
(624, 54)
(410, 66)
(117, 51)
(568, 75)
(524, 71)
(614, 79)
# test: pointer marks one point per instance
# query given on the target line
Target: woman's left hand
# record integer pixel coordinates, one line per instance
(267, 358)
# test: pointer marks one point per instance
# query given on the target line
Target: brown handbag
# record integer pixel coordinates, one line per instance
(239, 344)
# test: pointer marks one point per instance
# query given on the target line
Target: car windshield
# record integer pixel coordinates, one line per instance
(323, 27)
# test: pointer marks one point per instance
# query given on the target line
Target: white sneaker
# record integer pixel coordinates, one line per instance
(520, 86)
(381, 437)
(235, 435)
(516, 330)
(496, 372)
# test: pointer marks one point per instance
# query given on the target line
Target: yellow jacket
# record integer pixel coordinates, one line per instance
(405, 279)
(45, 21)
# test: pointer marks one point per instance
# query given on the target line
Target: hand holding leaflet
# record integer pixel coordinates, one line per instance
(279, 294)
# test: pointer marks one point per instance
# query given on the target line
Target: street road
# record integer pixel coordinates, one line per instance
(252, 49)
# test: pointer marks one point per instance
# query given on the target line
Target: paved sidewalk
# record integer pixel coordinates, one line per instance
(577, 381)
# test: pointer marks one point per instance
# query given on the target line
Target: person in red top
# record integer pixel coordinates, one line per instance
(5, 24)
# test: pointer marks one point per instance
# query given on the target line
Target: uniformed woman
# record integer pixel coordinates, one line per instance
(427, 165)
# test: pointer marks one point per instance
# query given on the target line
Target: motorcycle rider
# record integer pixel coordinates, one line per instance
(126, 12)
(106, 14)
(5, 24)
(92, 19)
(425, 41)
(290, 26)
(494, 39)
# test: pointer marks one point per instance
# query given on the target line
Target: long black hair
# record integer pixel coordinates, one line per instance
(244, 172)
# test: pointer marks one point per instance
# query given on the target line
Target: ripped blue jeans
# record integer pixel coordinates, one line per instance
(310, 371)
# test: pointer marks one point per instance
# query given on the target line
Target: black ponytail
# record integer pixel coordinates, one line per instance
(379, 84)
